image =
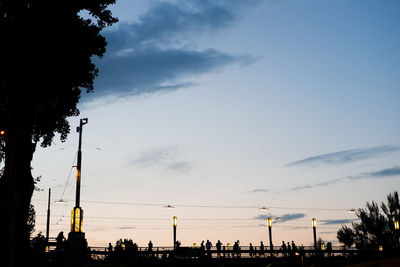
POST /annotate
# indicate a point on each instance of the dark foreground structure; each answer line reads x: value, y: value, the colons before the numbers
x: 190, y: 256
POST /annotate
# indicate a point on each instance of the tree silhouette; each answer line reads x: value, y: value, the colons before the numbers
x: 374, y: 229
x: 46, y: 54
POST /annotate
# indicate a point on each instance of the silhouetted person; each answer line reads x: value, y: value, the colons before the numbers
x: 178, y: 245
x: 235, y: 249
x: 150, y: 246
x: 294, y: 248
x: 60, y: 240
x: 251, y: 250
x: 218, y: 246
x: 283, y: 247
x: 208, y: 247
x: 261, y: 249
x: 329, y: 248
x: 202, y: 248
x: 289, y: 248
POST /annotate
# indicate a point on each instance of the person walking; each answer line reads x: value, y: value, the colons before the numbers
x: 283, y: 248
x: 261, y: 249
x: 218, y: 246
x: 251, y: 250
x: 208, y: 247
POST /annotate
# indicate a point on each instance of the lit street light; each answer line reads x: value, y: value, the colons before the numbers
x: 174, y: 224
x: 314, y: 226
x: 76, y: 236
x: 269, y: 223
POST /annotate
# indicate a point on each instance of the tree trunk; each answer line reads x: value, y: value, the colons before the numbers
x: 16, y: 188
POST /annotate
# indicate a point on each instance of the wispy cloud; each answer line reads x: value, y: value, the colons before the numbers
x: 388, y: 172
x: 381, y: 174
x: 339, y: 221
x: 126, y: 227
x: 165, y: 158
x: 346, y: 156
x: 282, y: 218
x: 258, y: 190
x: 153, y: 54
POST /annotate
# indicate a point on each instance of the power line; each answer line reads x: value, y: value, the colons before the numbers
x: 69, y: 176
x: 208, y: 206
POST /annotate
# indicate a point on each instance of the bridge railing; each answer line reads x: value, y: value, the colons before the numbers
x: 225, y: 252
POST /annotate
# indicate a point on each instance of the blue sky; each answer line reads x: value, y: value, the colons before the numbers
x: 234, y: 105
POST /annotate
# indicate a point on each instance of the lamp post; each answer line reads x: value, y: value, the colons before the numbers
x: 269, y: 223
x: 48, y: 219
x: 174, y: 224
x: 314, y: 226
x: 76, y: 238
x: 77, y: 212
x: 396, y: 228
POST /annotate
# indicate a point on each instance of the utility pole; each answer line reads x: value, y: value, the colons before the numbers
x: 314, y: 226
x: 77, y: 212
x: 48, y: 219
x: 76, y: 237
x: 269, y: 223
x: 174, y: 224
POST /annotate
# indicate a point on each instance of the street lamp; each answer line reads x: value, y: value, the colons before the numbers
x: 269, y: 223
x: 174, y: 224
x: 77, y: 212
x: 76, y: 237
x: 314, y: 226
x: 396, y: 228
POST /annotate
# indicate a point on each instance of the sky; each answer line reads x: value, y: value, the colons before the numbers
x: 232, y: 111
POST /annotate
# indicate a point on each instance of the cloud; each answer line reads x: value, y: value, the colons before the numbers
x: 346, y: 156
x: 290, y: 217
x: 152, y: 70
x: 258, y: 190
x: 388, y: 172
x: 126, y: 227
x: 282, y: 218
x: 165, y: 158
x: 384, y: 173
x: 342, y: 221
x: 152, y: 54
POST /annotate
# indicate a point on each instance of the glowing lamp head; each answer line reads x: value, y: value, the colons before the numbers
x: 174, y: 221
x: 314, y: 222
x: 269, y: 222
x: 396, y: 225
x: 380, y: 248
x: 2, y: 132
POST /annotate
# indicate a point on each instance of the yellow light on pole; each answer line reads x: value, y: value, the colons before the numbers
x: 76, y: 220
x: 269, y: 222
x: 380, y: 248
x: 314, y: 227
x: 314, y: 222
x: 2, y: 132
x: 396, y: 225
x: 174, y: 224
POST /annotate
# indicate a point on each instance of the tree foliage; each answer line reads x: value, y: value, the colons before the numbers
x: 375, y: 228
x: 46, y: 59
x: 46, y: 53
